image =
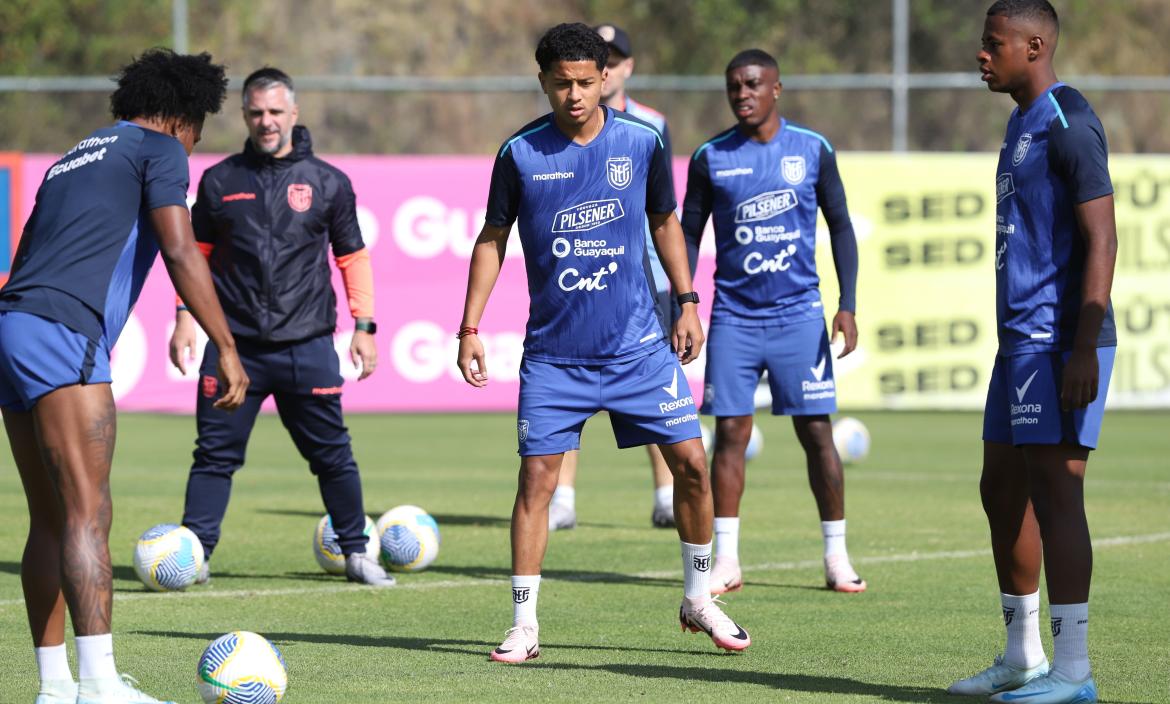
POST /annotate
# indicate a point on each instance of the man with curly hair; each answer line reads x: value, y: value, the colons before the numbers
x: 103, y: 211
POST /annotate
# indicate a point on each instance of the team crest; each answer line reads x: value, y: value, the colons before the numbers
x: 1056, y: 626
x: 792, y: 169
x: 522, y: 430
x: 520, y: 594
x: 702, y: 562
x: 208, y: 385
x: 1022, y: 148
x: 300, y: 196
x: 620, y: 171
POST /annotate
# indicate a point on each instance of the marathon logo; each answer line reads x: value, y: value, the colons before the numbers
x: 817, y: 390
x: 739, y: 171
x: 588, y: 216
x: 681, y: 419
x: 766, y: 206
x: 67, y: 166
x: 553, y: 176
x: 669, y: 406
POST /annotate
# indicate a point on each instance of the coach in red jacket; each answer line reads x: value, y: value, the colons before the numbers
x: 263, y: 219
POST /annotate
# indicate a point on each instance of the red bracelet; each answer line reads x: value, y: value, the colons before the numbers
x: 465, y: 331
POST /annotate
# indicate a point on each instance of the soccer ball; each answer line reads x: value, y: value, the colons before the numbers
x: 410, y: 539
x: 851, y: 439
x: 328, y: 552
x: 755, y: 443
x: 241, y: 668
x: 168, y: 557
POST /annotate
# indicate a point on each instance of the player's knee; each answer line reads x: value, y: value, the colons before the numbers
x: 732, y: 434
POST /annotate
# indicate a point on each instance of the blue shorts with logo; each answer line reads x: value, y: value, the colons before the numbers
x: 796, y: 357
x: 648, y: 400
x: 38, y: 355
x: 1023, y: 401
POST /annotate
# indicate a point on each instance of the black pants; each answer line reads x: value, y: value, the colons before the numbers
x: 305, y: 379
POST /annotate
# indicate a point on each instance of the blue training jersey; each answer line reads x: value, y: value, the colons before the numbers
x: 1054, y: 156
x: 764, y: 198
x: 581, y: 212
x: 88, y: 245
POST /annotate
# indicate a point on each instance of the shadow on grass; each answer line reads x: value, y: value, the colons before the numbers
x: 505, y: 573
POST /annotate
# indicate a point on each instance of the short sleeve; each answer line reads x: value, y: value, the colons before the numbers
x: 345, y: 236
x: 1078, y: 154
x: 503, y: 205
x: 697, y: 203
x: 659, y: 184
x: 201, y: 220
x: 165, y: 173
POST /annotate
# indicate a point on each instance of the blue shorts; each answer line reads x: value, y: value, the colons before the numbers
x: 648, y: 400
x: 796, y: 357
x: 1023, y: 402
x: 38, y: 355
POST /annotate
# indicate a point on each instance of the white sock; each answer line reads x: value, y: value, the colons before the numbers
x: 1070, y: 640
x: 53, y: 663
x: 565, y: 496
x: 727, y: 537
x: 524, y: 592
x: 834, y: 534
x: 696, y: 570
x: 1021, y: 618
x: 664, y: 496
x: 95, y: 657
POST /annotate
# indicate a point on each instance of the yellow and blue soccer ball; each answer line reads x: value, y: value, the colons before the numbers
x: 410, y: 539
x: 168, y: 557
x: 851, y: 438
x: 241, y: 667
x: 328, y: 551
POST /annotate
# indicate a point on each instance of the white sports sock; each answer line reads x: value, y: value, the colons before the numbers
x: 95, y: 657
x: 565, y: 496
x: 664, y: 496
x: 834, y: 534
x: 696, y: 570
x: 1070, y: 640
x: 525, y: 589
x: 53, y: 663
x: 727, y: 537
x: 1021, y: 618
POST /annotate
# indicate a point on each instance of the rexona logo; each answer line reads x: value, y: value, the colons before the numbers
x: 821, y: 388
x: 588, y: 216
x: 1027, y: 412
x: 766, y: 205
x: 675, y: 403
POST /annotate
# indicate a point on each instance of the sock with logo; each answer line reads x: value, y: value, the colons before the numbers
x: 1070, y: 641
x: 727, y: 537
x: 95, y: 657
x: 524, y: 591
x: 664, y: 496
x: 53, y: 663
x: 565, y: 496
x: 1021, y: 619
x: 696, y: 570
x: 834, y: 535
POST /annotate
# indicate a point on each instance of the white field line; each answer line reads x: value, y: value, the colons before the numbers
x: 1101, y: 543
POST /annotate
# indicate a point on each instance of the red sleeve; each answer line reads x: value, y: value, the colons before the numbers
x: 358, y: 276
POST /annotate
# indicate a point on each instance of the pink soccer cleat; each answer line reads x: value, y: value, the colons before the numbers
x: 726, y: 576
x: 840, y: 576
x: 520, y: 644
x: 704, y: 614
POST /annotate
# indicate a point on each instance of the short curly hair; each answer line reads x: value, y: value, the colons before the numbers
x: 571, y: 42
x: 163, y: 84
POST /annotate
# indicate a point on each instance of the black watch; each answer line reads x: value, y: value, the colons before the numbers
x: 370, y: 327
x: 691, y: 297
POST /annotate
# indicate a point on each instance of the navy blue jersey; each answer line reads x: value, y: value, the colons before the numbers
x: 581, y: 211
x: 1054, y: 156
x: 764, y: 198
x: 89, y: 244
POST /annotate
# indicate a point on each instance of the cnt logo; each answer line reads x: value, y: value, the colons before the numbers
x: 765, y: 206
x: 588, y: 216
x: 571, y: 279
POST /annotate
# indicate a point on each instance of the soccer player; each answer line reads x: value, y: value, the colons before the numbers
x: 264, y: 218
x: 562, y: 512
x: 103, y: 211
x: 763, y: 180
x: 580, y: 182
x: 1056, y: 245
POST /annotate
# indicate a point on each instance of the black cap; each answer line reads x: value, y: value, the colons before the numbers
x: 616, y: 38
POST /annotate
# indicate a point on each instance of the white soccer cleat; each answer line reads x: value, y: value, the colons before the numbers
x: 840, y: 575
x: 704, y: 614
x: 114, y: 690
x: 561, y: 517
x: 521, y: 643
x: 1000, y: 677
x: 57, y: 692
x: 1051, y: 689
x: 726, y: 576
x: 360, y: 567
x: 203, y: 576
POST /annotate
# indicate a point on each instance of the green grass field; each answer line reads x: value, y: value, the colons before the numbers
x: 610, y: 595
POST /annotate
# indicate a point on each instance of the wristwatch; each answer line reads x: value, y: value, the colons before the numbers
x: 366, y: 326
x: 691, y: 297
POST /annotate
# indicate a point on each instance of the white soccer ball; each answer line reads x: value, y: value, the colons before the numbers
x: 168, y: 557
x: 328, y: 551
x: 851, y: 438
x: 410, y: 539
x: 241, y: 668
x: 755, y: 443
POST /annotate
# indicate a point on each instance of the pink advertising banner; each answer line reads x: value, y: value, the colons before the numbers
x: 419, y: 217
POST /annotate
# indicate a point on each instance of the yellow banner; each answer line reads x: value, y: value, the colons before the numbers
x: 926, y: 287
